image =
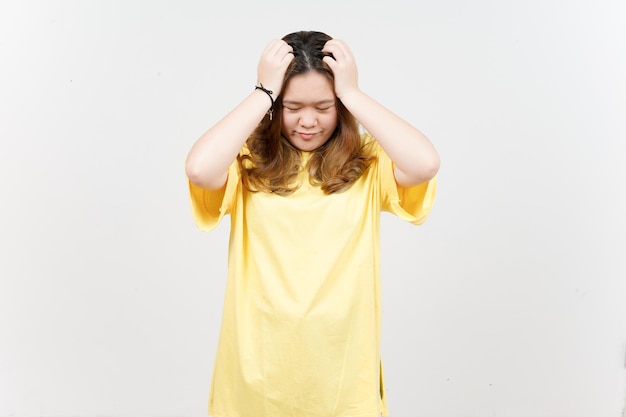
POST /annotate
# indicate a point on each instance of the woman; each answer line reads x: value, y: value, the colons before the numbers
x: 304, y: 190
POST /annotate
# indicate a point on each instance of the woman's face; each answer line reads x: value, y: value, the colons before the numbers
x: 309, y: 111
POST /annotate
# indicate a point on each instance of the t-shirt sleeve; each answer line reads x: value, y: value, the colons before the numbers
x: 208, y: 207
x: 412, y: 204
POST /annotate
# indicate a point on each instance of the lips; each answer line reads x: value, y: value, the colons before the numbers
x: 306, y: 135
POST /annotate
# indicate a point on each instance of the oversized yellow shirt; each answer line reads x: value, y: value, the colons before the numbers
x: 300, y: 332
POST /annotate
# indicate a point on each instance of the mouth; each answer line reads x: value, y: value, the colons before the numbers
x: 306, y: 135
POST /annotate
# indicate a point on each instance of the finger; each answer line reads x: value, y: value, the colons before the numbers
x: 272, y: 47
x: 330, y: 61
x: 288, y: 58
x: 328, y: 47
x: 284, y: 50
x: 339, y: 49
x: 333, y: 44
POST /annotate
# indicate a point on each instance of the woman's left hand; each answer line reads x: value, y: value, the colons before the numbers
x: 343, y: 65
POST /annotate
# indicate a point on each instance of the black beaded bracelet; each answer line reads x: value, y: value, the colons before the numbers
x: 269, y: 94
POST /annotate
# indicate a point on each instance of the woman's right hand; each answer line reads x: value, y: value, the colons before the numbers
x: 273, y: 64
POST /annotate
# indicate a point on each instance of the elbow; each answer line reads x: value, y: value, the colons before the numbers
x: 198, y: 175
x: 423, y: 171
x: 192, y: 171
x: 431, y: 168
x: 426, y: 174
x: 426, y: 170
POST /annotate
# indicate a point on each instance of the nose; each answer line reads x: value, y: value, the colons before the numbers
x: 308, y: 118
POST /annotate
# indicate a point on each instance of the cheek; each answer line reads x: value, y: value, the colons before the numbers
x: 284, y: 125
x: 288, y: 120
x: 330, y: 120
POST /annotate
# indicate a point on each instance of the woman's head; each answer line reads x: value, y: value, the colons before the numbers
x: 308, y: 116
x: 309, y: 110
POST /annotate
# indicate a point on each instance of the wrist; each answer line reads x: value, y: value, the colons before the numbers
x: 270, y: 94
x: 349, y: 94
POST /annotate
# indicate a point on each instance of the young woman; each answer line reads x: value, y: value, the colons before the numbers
x: 304, y: 184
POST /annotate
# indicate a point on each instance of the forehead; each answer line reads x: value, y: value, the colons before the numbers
x: 309, y: 87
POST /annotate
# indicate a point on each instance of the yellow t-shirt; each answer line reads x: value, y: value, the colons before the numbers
x: 300, y: 332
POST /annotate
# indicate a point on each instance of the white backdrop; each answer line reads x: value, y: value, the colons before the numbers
x: 510, y: 301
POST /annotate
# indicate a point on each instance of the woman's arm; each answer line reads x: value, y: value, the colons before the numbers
x: 209, y: 158
x: 415, y: 158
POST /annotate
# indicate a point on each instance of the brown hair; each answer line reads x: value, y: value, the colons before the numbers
x: 272, y: 163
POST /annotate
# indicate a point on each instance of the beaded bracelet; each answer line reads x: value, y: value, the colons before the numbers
x: 269, y: 94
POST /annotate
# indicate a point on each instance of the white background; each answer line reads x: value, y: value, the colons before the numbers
x: 509, y: 302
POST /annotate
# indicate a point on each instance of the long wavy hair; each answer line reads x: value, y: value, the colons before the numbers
x: 273, y: 163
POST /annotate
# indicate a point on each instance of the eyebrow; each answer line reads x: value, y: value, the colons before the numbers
x: 317, y: 103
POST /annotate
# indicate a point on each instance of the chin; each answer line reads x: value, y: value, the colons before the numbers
x: 304, y: 146
x: 307, y: 147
